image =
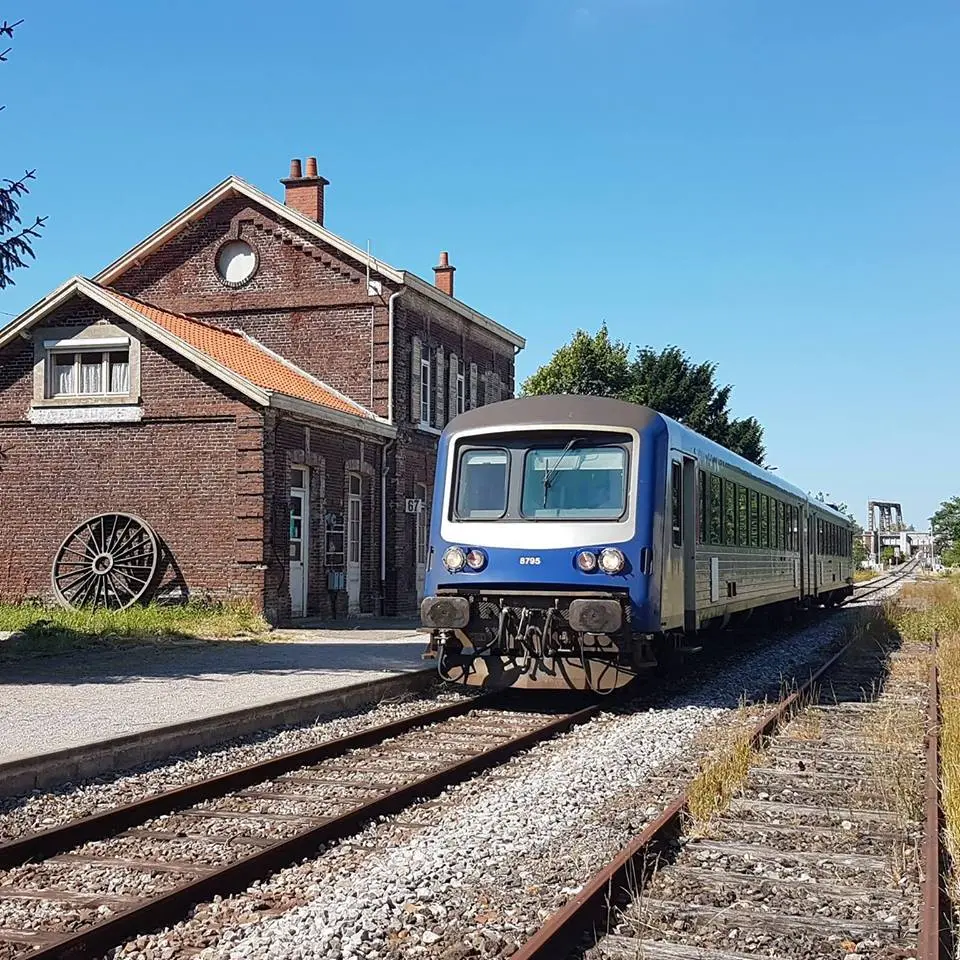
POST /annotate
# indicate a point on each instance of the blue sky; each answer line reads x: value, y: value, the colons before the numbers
x: 772, y: 186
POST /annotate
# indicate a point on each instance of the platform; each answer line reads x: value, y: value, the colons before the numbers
x: 68, y: 703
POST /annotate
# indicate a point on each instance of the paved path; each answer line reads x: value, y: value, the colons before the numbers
x: 53, y: 703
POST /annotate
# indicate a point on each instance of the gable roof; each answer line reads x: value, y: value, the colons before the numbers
x: 231, y: 355
x: 236, y: 187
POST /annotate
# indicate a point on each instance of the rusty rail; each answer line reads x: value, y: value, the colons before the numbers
x: 935, y: 942
x: 592, y: 906
x: 170, y: 907
x: 47, y: 843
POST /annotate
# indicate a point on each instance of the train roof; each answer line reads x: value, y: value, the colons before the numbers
x: 580, y: 409
x: 559, y: 408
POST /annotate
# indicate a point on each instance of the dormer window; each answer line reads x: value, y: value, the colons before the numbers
x: 85, y: 374
x: 89, y: 372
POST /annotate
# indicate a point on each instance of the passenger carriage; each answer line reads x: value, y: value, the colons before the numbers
x: 573, y: 538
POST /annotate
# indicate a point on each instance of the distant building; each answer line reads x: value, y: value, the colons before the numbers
x: 265, y: 395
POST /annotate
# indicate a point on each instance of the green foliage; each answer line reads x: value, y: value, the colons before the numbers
x: 592, y: 365
x: 887, y: 554
x: 951, y: 556
x: 946, y: 524
x: 668, y: 381
x: 859, y: 550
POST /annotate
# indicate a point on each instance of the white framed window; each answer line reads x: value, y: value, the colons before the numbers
x: 461, y: 391
x: 88, y: 372
x: 426, y: 393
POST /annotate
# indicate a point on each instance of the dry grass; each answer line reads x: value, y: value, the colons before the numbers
x: 720, y: 777
x: 927, y: 608
x: 862, y: 576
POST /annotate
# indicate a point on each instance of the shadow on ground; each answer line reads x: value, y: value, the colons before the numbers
x: 212, y: 661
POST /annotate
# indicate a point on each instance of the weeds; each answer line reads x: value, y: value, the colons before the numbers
x: 39, y: 630
x: 926, y: 609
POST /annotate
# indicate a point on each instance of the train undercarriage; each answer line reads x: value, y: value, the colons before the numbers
x: 551, y: 640
x: 541, y: 640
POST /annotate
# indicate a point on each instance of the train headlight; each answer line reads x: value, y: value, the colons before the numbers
x: 612, y: 560
x: 454, y: 559
x: 587, y: 561
x: 476, y: 559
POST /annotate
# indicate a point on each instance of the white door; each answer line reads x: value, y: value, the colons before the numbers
x: 354, y: 532
x: 423, y: 536
x: 299, y: 528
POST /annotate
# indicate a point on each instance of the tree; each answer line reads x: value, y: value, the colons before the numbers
x: 945, y: 524
x: 668, y: 381
x: 16, y: 240
x: 596, y: 366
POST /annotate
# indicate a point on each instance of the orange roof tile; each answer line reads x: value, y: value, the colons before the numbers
x: 243, y: 356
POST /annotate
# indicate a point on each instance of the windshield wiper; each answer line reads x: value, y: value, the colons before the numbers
x: 549, y: 475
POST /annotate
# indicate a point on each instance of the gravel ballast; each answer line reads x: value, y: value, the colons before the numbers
x: 476, y: 873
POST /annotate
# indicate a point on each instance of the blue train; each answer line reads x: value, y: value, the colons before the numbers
x: 575, y: 540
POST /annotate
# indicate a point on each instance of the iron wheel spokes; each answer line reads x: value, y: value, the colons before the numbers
x: 107, y: 561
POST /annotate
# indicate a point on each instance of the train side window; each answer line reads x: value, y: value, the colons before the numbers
x: 781, y: 529
x: 716, y: 497
x: 819, y: 536
x: 774, y: 524
x: 754, y: 519
x: 795, y: 528
x: 764, y: 520
x: 729, y: 513
x: 743, y: 538
x: 702, y: 507
x: 676, y: 501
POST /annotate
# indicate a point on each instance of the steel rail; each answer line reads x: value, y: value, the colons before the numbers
x: 872, y: 586
x: 592, y: 906
x: 48, y: 843
x: 935, y: 940
x: 170, y: 907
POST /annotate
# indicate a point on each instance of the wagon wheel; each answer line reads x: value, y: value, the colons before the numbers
x: 107, y: 561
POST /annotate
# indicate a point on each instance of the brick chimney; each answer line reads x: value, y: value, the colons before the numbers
x: 443, y: 274
x: 304, y: 192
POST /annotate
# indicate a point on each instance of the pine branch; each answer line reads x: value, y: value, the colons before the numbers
x: 16, y: 240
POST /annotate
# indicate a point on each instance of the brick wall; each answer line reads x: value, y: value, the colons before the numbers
x: 329, y: 456
x: 181, y: 469
x: 309, y: 303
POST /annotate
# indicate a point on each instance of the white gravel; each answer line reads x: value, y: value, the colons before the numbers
x: 498, y: 853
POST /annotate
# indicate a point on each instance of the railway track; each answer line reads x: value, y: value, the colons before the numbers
x: 217, y: 836
x: 870, y: 587
x: 80, y: 889
x: 818, y: 855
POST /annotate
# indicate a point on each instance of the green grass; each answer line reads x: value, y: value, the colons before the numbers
x: 43, y: 630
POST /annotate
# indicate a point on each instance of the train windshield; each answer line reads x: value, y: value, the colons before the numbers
x: 574, y: 482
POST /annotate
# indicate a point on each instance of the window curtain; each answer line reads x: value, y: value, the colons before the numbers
x: 63, y: 376
x: 91, y: 373
x: 119, y: 373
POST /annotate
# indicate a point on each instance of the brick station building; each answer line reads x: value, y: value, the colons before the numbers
x: 262, y: 393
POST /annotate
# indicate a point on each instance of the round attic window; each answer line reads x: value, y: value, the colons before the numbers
x: 236, y: 262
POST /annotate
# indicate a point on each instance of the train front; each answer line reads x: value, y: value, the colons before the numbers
x: 539, y: 547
